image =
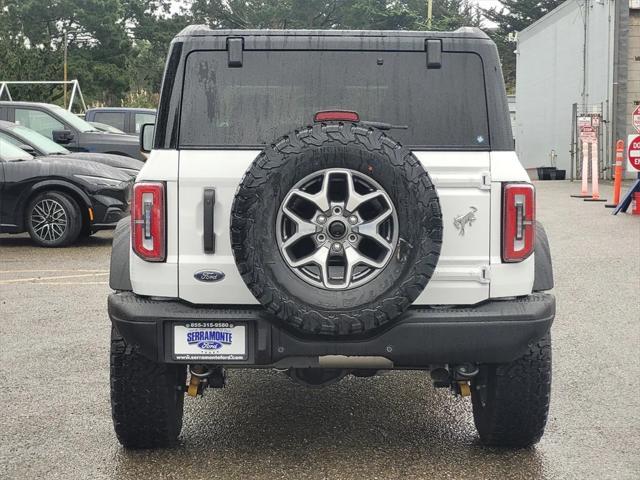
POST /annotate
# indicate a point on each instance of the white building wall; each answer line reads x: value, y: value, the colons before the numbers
x: 549, y: 78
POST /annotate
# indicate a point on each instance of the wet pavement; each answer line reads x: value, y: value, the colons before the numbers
x: 55, y: 414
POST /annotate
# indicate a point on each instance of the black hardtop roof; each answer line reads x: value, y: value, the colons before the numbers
x: 205, y: 31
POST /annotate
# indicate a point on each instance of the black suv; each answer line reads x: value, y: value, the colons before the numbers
x: 67, y: 129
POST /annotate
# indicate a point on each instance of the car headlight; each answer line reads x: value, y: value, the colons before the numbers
x: 100, y: 181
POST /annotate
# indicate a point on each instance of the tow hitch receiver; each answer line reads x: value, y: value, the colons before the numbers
x: 464, y: 389
x: 458, y: 377
x: 202, y: 377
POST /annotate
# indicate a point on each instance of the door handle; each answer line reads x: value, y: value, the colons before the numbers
x: 209, y: 202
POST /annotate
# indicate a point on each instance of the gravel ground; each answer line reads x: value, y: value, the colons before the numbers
x: 54, y: 337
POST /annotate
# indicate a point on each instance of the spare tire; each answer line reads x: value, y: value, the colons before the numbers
x: 336, y: 229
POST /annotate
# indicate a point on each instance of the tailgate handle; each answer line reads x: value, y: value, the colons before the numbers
x: 209, y: 235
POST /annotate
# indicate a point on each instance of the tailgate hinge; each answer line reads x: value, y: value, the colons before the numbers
x: 235, y: 46
x: 486, y: 181
x: 434, y: 53
x: 486, y: 274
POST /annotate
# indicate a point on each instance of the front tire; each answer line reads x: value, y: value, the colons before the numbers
x: 53, y: 219
x: 147, y: 398
x: 511, y: 400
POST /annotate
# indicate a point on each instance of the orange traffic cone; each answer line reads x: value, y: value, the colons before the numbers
x: 617, y: 183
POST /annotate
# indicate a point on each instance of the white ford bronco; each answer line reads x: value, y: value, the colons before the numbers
x: 331, y: 203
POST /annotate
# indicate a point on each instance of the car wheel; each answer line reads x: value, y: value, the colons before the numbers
x: 53, y: 219
x: 336, y: 229
x: 147, y: 398
x: 511, y: 400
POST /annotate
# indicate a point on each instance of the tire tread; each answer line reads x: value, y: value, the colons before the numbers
x: 518, y: 399
x: 303, y: 316
x: 147, y: 412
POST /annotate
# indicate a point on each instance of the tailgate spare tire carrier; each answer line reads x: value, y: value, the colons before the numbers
x: 394, y: 229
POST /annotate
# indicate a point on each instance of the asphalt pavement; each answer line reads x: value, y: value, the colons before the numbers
x: 55, y: 419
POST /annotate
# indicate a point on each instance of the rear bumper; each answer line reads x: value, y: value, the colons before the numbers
x: 493, y: 332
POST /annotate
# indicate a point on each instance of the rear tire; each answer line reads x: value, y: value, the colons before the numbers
x: 53, y: 219
x: 146, y: 397
x: 512, y: 411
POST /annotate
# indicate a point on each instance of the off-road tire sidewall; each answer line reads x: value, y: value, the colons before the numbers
x: 74, y: 220
x: 336, y: 312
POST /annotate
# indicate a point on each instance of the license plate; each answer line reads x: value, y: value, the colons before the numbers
x: 209, y: 341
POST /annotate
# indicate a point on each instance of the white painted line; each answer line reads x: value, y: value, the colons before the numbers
x: 41, y: 279
x: 59, y: 270
x: 70, y: 283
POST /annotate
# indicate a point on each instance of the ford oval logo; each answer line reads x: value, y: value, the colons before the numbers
x: 210, y: 345
x: 209, y: 275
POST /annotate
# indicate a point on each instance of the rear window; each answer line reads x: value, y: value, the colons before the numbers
x: 115, y: 119
x: 275, y: 92
x: 142, y: 118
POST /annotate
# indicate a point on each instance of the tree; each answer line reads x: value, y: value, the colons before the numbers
x: 114, y: 46
x: 32, y: 47
x: 323, y: 14
x: 117, y: 48
x: 515, y: 16
x: 152, y: 26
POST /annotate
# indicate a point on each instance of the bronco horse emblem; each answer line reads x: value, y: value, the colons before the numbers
x: 462, y: 220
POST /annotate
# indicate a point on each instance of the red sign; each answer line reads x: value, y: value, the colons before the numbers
x: 635, y: 116
x: 588, y: 135
x: 633, y: 153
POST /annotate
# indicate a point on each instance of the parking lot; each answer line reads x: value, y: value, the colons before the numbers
x: 56, y: 423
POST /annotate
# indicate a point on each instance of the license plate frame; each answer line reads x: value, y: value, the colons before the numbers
x: 232, y: 339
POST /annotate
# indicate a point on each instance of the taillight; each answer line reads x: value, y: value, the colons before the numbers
x: 336, y: 116
x: 148, y: 221
x: 518, y: 221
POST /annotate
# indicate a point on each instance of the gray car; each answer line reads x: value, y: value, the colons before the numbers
x: 65, y: 128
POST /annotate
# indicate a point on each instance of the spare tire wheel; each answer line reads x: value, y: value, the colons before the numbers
x: 336, y: 229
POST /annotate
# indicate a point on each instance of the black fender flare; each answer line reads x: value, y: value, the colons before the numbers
x: 119, y: 277
x: 543, y: 279
x: 48, y: 185
x: 57, y: 184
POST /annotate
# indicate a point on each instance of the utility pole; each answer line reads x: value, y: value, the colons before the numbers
x: 585, y: 49
x: 65, y: 69
x: 429, y: 12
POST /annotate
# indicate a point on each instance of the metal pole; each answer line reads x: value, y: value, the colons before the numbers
x: 585, y: 94
x: 572, y: 150
x: 65, y: 69
x: 73, y: 94
x: 429, y: 12
x: 620, y: 72
x: 84, y: 105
